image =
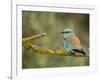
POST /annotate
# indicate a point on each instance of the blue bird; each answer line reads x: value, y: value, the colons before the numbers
x: 72, y: 43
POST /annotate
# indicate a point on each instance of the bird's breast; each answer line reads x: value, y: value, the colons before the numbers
x: 74, y: 41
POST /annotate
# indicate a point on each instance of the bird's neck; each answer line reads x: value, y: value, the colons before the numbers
x: 67, y: 35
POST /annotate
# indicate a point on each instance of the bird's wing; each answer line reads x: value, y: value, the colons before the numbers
x: 74, y: 41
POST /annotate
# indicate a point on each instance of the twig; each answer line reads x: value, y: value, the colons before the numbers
x: 33, y: 37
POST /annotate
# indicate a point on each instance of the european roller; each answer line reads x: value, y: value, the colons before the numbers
x: 72, y: 42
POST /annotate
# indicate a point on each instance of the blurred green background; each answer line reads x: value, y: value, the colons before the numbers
x: 53, y: 23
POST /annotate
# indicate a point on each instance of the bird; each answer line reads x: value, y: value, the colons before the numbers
x: 72, y: 42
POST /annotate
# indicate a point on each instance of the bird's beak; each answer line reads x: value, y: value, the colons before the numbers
x: 63, y: 32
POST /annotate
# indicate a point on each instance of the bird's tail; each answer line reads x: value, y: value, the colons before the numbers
x: 80, y: 51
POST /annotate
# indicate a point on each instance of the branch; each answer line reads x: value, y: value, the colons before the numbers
x: 41, y: 50
x: 28, y: 39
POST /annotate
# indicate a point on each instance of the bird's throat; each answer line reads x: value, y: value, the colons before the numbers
x: 67, y: 35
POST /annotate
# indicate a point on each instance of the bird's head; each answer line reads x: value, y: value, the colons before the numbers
x: 67, y: 32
